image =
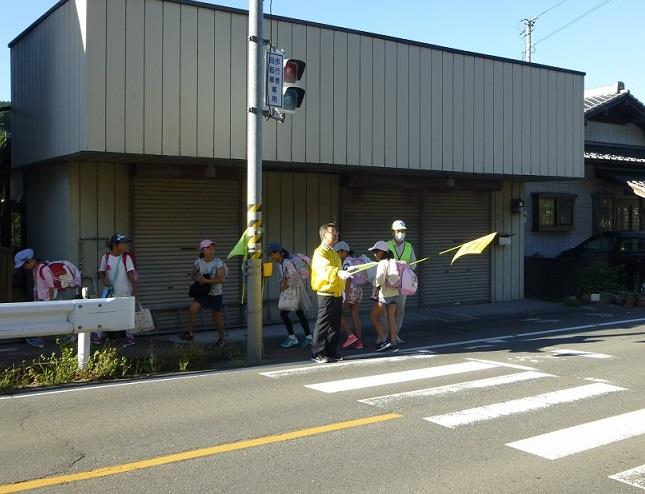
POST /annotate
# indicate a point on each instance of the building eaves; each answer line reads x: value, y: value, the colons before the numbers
x: 614, y: 158
x: 211, y: 6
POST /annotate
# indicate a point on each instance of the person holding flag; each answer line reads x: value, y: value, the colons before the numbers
x: 402, y: 251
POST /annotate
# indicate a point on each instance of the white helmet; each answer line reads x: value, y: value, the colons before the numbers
x: 398, y: 225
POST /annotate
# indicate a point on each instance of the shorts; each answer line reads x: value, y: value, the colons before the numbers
x: 354, y: 296
x: 388, y: 300
x: 212, y: 302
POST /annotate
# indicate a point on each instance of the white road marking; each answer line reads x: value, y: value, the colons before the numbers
x: 634, y: 477
x: 565, y: 442
x: 10, y: 349
x: 522, y: 405
x: 502, y: 364
x: 398, y: 377
x: 383, y: 401
x: 351, y: 363
x: 565, y: 352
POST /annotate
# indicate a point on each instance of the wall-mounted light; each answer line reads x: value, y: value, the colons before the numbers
x: 517, y: 206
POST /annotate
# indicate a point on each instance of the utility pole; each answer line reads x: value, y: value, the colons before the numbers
x: 528, y: 31
x: 254, y: 338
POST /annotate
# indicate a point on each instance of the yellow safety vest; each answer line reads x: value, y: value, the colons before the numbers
x: 407, y: 251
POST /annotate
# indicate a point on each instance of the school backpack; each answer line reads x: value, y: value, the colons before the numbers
x: 124, y: 258
x: 400, y: 275
x: 360, y: 278
x: 64, y: 273
x: 302, y: 263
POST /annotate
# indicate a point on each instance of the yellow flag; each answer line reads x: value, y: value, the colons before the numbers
x: 476, y: 246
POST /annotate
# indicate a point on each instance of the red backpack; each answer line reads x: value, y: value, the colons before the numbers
x: 64, y: 273
x: 124, y: 258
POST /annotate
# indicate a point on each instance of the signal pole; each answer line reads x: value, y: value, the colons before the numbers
x: 528, y: 31
x: 254, y: 336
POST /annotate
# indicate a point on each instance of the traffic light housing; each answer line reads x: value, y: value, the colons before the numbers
x: 292, y: 92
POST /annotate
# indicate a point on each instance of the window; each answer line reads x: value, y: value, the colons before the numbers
x: 599, y: 245
x: 553, y: 212
x: 632, y: 245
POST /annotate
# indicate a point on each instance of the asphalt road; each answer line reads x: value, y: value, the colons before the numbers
x: 527, y: 414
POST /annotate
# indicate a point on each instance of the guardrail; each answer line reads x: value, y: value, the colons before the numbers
x: 67, y: 317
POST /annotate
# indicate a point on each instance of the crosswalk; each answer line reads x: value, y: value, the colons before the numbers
x: 374, y: 374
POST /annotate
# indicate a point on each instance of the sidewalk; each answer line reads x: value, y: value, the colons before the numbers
x: 422, y: 327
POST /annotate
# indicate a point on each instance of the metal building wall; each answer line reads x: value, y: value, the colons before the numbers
x: 167, y: 77
x: 507, y: 261
x: 630, y: 134
x: 48, y: 87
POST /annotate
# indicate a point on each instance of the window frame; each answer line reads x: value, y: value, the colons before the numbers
x: 559, y: 199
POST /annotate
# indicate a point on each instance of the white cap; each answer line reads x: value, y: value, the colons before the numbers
x: 398, y: 225
x: 380, y: 245
x: 342, y: 245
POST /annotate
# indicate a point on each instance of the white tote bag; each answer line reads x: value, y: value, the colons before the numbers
x: 288, y: 300
x: 143, y: 321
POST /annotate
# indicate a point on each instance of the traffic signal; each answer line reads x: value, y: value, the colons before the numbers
x: 292, y: 92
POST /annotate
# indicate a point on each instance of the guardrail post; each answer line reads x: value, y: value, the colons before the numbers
x: 83, y: 350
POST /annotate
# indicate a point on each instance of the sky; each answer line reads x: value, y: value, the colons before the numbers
x: 607, y: 44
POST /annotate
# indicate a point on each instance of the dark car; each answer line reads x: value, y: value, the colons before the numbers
x: 619, y: 248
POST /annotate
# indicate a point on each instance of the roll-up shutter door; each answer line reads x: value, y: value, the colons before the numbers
x: 451, y: 218
x: 171, y: 217
x: 367, y: 215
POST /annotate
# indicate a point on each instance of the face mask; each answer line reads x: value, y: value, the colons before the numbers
x: 399, y: 236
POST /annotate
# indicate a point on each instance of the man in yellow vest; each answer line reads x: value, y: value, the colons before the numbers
x: 328, y: 281
x: 402, y: 251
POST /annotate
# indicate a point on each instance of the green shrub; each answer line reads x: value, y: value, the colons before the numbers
x: 600, y: 278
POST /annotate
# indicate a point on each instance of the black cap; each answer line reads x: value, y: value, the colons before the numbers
x: 119, y: 238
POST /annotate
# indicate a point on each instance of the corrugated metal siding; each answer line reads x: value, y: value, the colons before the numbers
x: 47, y: 195
x: 449, y: 219
x: 48, y: 87
x: 148, y: 92
x: 294, y: 207
x: 507, y: 262
x: 629, y: 134
x: 367, y: 215
x: 170, y: 218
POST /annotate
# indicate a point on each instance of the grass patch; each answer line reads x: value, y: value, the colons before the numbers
x: 106, y: 363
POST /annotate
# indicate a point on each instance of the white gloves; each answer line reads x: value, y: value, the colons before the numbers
x: 343, y: 275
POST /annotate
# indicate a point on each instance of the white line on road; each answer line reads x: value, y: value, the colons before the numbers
x: 10, y: 349
x: 565, y: 352
x: 634, y: 477
x: 522, y: 405
x: 398, y: 377
x: 357, y: 362
x: 565, y: 442
x: 383, y: 401
x: 501, y: 364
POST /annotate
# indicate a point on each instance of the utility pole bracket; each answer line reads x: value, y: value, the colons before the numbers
x: 255, y: 39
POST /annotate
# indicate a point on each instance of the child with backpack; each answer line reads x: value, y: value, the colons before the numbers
x: 352, y: 296
x: 51, y: 279
x: 293, y: 270
x: 118, y: 274
x: 387, y: 298
x: 209, y: 273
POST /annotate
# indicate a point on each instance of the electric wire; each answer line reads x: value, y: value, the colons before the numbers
x: 573, y: 21
x: 549, y: 9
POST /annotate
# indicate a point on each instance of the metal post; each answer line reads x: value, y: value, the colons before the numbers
x: 528, y: 44
x: 254, y: 338
x: 83, y: 350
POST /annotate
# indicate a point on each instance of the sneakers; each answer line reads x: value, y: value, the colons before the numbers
x: 320, y: 359
x: 358, y: 345
x: 336, y: 358
x: 129, y: 340
x: 306, y: 341
x: 384, y: 345
x: 351, y: 339
x: 399, y: 340
x: 35, y: 341
x: 96, y: 339
x: 221, y: 342
x: 290, y: 341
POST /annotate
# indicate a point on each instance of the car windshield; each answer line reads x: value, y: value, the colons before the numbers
x: 600, y: 245
x: 636, y: 245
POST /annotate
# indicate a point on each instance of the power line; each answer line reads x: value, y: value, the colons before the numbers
x: 585, y: 14
x: 549, y: 9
